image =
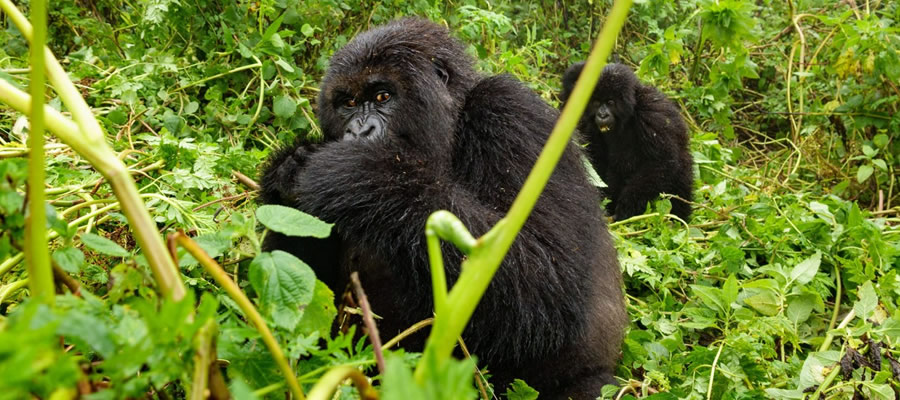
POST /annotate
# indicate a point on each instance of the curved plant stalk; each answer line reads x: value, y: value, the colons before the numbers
x: 207, y: 384
x: 89, y: 140
x: 453, y: 310
x: 325, y: 387
x: 37, y: 256
x: 219, y: 274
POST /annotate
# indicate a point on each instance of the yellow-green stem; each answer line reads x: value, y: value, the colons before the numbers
x: 89, y: 140
x: 236, y: 294
x: 37, y: 255
x: 204, y: 353
x: 104, y: 160
x: 325, y: 387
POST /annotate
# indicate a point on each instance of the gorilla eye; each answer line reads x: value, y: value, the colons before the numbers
x: 382, y: 97
x: 350, y: 103
x: 610, y: 102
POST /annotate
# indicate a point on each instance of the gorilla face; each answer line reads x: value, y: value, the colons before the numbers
x: 603, y: 116
x: 402, y: 84
x: 366, y: 114
x: 613, y: 99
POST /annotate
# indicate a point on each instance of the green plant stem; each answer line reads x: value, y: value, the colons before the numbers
x: 829, y: 337
x: 827, y: 382
x: 325, y: 387
x: 164, y: 271
x: 485, y: 258
x: 236, y: 294
x: 204, y: 356
x: 444, y: 225
x: 89, y: 140
x: 712, y: 371
x: 10, y: 288
x: 37, y: 256
x: 837, y: 306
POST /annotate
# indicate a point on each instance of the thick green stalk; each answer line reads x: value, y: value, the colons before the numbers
x: 37, y: 255
x: 87, y: 139
x: 490, y: 249
x: 326, y: 386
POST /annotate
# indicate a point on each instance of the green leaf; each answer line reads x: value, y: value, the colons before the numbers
x: 879, y: 391
x: 307, y: 30
x: 319, y: 314
x: 730, y: 290
x: 284, y: 107
x: 864, y: 172
x: 191, y: 107
x: 805, y: 271
x: 880, y: 164
x: 292, y: 222
x: 284, y: 65
x: 869, y: 151
x: 87, y: 331
x: 103, y: 245
x: 450, y: 381
x: 868, y: 300
x: 800, y: 307
x: 214, y: 244
x: 69, y: 259
x: 519, y: 390
x: 880, y: 140
x: 285, y: 286
x: 765, y: 303
x: 813, y: 371
x: 710, y: 296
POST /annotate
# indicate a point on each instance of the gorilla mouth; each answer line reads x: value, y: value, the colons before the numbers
x: 604, y: 123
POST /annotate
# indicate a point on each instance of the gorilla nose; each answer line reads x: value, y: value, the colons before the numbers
x: 370, y: 127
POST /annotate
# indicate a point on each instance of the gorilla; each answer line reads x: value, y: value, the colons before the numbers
x: 636, y: 141
x: 410, y: 128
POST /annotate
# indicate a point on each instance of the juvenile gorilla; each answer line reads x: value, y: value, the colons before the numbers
x: 636, y: 141
x: 411, y: 128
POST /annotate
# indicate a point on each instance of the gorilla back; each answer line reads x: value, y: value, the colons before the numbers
x: 411, y: 128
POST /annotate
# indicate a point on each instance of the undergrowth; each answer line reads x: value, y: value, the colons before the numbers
x: 782, y: 285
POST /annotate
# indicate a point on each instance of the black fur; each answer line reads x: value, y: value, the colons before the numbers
x: 645, y: 151
x: 451, y: 139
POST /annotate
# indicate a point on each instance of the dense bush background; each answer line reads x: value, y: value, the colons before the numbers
x: 793, y: 111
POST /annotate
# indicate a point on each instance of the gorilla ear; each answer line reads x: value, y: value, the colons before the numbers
x: 441, y: 71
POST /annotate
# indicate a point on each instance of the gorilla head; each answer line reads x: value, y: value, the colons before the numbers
x: 374, y: 86
x: 613, y: 100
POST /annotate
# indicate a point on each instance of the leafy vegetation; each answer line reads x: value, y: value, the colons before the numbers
x: 783, y: 285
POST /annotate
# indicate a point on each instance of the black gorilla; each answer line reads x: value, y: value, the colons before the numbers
x: 411, y: 128
x: 637, y: 142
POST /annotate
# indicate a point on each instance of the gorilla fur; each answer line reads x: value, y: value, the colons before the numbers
x: 636, y: 141
x: 410, y: 128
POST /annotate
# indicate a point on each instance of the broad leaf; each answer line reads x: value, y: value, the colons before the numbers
x: 292, y: 222
x: 806, y: 270
x: 285, y: 286
x: 103, y: 245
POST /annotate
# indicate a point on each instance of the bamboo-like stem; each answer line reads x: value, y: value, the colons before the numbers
x: 204, y: 356
x: 477, y: 272
x: 37, y: 255
x: 221, y: 277
x: 105, y: 161
x: 89, y: 140
x: 325, y: 387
